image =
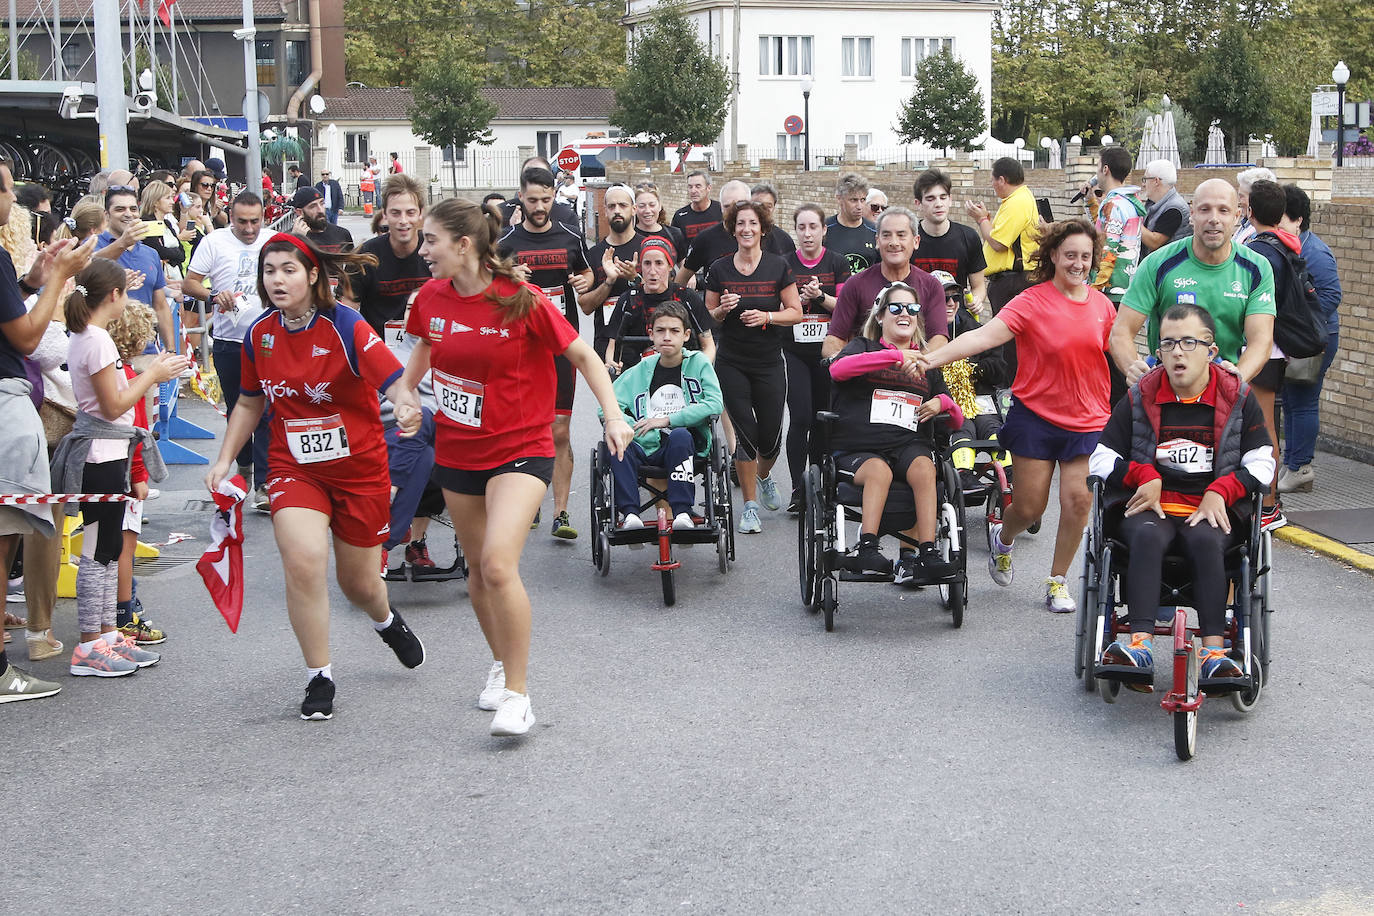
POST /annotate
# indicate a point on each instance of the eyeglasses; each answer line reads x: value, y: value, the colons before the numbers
x: 206, y: 185
x: 1186, y: 344
x: 877, y: 208
x: 911, y: 308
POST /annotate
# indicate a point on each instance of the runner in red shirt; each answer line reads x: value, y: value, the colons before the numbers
x: 320, y: 365
x: 488, y: 340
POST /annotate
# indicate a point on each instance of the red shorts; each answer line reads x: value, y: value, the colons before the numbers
x: 359, y: 517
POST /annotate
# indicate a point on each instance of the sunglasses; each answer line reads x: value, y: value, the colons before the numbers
x: 121, y: 187
x: 911, y: 308
x: 954, y: 297
x: 206, y: 185
x: 877, y: 208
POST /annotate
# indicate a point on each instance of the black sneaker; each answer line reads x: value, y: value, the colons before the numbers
x: 905, y: 570
x: 403, y: 642
x: 868, y: 560
x: 319, y: 699
x: 794, y: 506
x: 936, y: 566
x: 969, y: 482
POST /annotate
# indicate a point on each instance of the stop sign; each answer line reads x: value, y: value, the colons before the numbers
x: 569, y: 159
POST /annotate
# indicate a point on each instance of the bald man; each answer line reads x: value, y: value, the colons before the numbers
x: 613, y: 260
x: 1232, y: 282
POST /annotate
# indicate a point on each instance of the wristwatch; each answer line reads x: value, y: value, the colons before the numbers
x: 25, y: 288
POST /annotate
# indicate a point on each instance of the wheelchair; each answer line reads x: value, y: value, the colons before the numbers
x: 1102, y: 617
x: 716, y: 524
x: 831, y: 500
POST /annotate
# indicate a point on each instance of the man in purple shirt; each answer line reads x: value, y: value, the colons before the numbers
x: 897, y: 240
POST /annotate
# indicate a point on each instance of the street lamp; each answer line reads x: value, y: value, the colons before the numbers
x: 807, y: 85
x: 1340, y: 76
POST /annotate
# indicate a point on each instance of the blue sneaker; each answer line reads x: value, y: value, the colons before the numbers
x: 769, y: 495
x: 1138, y: 653
x: 1217, y: 664
x: 749, y: 519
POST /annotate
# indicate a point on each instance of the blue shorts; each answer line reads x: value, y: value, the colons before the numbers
x: 1029, y: 435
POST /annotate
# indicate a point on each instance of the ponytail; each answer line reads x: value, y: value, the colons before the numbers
x: 463, y: 218
x: 95, y: 282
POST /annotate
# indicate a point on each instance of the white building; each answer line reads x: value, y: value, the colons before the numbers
x: 859, y: 54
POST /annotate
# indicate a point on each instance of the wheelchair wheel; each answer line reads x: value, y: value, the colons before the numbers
x: 1087, y: 602
x: 669, y: 589
x: 828, y: 602
x: 1185, y: 723
x: 1261, y: 608
x: 953, y: 595
x: 723, y: 548
x: 1110, y: 689
x: 999, y: 497
x: 1245, y: 700
x: 602, y: 547
x: 806, y: 538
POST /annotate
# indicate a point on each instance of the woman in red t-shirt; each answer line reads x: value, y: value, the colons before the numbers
x: 320, y: 366
x: 1061, y: 396
x: 488, y: 341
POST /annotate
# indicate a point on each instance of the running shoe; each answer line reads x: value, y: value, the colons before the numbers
x: 969, y: 482
x: 490, y: 697
x: 905, y: 569
x: 794, y: 506
x: 562, y: 526
x: 1217, y: 664
x: 1272, y: 518
x: 403, y: 642
x: 999, y: 564
x: 99, y: 660
x: 141, y: 632
x: 935, y: 566
x: 867, y: 559
x: 1299, y: 481
x: 537, y: 514
x: 513, y: 717
x: 1057, y: 597
x: 769, y: 495
x: 417, y: 554
x: 1137, y: 654
x: 43, y: 645
x: 127, y: 648
x: 684, y: 522
x: 17, y: 684
x: 318, y: 704
x: 749, y: 519
x: 14, y: 591
x: 631, y: 522
x: 261, y: 502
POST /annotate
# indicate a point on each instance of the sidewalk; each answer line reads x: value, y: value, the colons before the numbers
x: 1337, y: 517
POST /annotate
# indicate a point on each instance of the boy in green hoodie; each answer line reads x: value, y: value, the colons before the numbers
x: 669, y: 398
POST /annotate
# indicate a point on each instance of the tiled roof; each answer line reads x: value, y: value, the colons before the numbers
x: 392, y: 103
x: 197, y: 10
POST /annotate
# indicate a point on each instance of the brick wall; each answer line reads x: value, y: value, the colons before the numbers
x: 1348, y: 227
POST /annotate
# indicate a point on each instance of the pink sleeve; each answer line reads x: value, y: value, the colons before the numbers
x: 954, y: 413
x: 848, y: 367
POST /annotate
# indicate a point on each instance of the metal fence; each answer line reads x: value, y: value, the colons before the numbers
x: 476, y: 168
x: 908, y: 157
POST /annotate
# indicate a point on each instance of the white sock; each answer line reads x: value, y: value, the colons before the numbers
x: 379, y: 627
x: 91, y: 644
x: 111, y: 637
x: 327, y: 671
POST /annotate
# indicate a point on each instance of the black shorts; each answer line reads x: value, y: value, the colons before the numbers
x: 899, y: 459
x: 1270, y: 378
x: 474, y: 483
x: 567, y: 386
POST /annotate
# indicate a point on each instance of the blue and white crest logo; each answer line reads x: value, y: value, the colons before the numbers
x: 1187, y: 299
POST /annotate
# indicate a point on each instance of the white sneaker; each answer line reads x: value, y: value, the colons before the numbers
x: 1057, y: 597
x: 631, y: 522
x: 684, y: 522
x: 153, y: 493
x: 1299, y: 481
x: 513, y: 717
x: 490, y: 697
x: 999, y: 564
x: 749, y: 519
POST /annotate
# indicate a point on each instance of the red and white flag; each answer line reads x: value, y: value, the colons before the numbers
x: 221, y: 566
x: 164, y: 11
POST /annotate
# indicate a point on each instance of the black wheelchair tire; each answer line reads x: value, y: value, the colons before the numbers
x: 669, y: 589
x: 828, y: 602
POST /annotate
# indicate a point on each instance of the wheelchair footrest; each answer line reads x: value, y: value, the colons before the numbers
x: 847, y: 576
x: 1220, y: 686
x: 437, y: 573
x: 1126, y: 674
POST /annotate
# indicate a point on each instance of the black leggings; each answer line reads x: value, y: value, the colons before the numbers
x: 107, y: 519
x: 1149, y: 538
x: 808, y: 390
x: 755, y: 396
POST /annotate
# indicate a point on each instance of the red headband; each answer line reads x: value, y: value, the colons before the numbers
x: 662, y: 244
x: 300, y: 243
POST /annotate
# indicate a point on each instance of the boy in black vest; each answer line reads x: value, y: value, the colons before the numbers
x: 1188, y: 444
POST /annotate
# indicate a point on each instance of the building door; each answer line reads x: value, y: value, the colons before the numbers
x: 548, y: 143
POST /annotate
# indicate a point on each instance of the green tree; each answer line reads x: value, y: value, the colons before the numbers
x: 946, y: 108
x: 449, y: 109
x: 1231, y: 85
x: 673, y: 90
x: 29, y: 68
x: 571, y: 43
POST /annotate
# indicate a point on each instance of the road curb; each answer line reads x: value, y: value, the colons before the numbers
x: 1301, y: 537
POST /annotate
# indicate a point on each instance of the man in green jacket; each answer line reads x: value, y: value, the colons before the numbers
x: 670, y: 398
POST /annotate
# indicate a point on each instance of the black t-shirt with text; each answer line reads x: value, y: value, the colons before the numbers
x: 858, y: 245
x: 383, y: 291
x: 630, y: 321
x: 761, y: 290
x: 831, y: 270
x: 625, y: 252
x: 715, y: 243
x: 551, y: 255
x: 692, y: 223
x: 860, y: 399
x: 958, y: 252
